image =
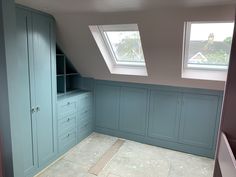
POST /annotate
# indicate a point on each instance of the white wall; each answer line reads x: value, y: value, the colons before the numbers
x: 162, y: 37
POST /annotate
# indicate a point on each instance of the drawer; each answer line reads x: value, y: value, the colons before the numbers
x: 85, y: 102
x: 67, y: 141
x: 67, y: 107
x: 82, y: 125
x: 226, y: 158
x: 85, y: 114
x: 85, y: 131
x: 67, y: 122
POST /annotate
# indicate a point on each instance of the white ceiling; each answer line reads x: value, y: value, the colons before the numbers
x: 115, y: 5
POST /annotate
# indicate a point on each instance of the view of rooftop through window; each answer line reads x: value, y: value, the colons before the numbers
x: 208, y: 45
x: 125, y: 45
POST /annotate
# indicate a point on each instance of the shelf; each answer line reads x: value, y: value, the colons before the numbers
x: 71, y: 91
x: 60, y: 94
x: 58, y: 54
x: 67, y: 76
x: 72, y: 74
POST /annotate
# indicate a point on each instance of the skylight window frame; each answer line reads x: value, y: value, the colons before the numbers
x: 124, y: 27
x: 186, y: 42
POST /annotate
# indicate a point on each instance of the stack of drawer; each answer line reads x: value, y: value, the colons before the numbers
x: 67, y: 118
x: 85, y: 115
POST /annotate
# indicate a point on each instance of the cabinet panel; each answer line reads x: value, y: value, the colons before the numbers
x: 198, y: 120
x: 133, y: 110
x: 43, y: 73
x: 24, y: 39
x: 164, y: 115
x: 107, y: 106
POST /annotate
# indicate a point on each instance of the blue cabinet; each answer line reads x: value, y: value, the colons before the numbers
x: 164, y: 115
x: 44, y: 82
x: 66, y: 123
x: 133, y: 110
x: 198, y: 123
x: 85, y: 121
x: 107, y: 106
x: 24, y: 44
x: 36, y: 46
x: 182, y: 119
x: 75, y: 120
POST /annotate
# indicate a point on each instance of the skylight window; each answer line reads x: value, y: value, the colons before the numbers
x: 125, y: 46
x: 121, y: 48
x: 208, y: 45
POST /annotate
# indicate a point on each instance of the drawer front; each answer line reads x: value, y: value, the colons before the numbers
x: 66, y: 123
x: 85, y: 114
x: 85, y: 102
x: 67, y: 107
x: 85, y: 130
x: 84, y: 118
x: 67, y: 141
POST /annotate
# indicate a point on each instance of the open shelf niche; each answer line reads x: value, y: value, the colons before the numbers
x: 67, y: 75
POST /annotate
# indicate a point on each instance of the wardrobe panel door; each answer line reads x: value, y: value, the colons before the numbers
x: 198, y: 120
x: 133, y: 110
x: 107, y: 106
x: 164, y: 115
x: 24, y: 40
x: 44, y: 74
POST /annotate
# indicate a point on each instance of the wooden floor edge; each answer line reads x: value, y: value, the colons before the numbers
x: 106, y: 157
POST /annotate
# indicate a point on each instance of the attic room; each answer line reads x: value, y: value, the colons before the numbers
x: 113, y: 88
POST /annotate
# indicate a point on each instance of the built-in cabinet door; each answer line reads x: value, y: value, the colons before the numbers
x: 133, y: 110
x: 164, y: 115
x: 198, y: 120
x: 107, y: 106
x: 24, y: 40
x: 43, y: 75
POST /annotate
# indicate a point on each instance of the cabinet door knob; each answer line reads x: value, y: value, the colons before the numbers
x: 37, y: 109
x: 68, y: 103
x: 33, y: 110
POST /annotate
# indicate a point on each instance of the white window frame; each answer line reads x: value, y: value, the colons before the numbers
x: 125, y: 27
x: 117, y: 67
x: 187, y: 33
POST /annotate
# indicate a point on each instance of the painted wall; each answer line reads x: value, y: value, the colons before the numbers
x: 162, y: 37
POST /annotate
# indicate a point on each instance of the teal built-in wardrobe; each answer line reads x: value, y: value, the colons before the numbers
x: 52, y: 122
x: 36, y: 49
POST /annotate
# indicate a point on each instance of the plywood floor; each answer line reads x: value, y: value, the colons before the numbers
x: 132, y: 159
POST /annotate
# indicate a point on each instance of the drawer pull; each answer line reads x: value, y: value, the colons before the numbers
x: 68, y: 135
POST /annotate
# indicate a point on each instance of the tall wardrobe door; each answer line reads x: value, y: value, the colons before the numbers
x: 44, y: 73
x: 25, y: 87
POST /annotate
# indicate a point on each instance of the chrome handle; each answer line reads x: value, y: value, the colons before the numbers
x: 37, y: 109
x: 33, y: 110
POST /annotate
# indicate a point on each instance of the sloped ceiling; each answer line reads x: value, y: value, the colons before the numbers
x: 161, y: 25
